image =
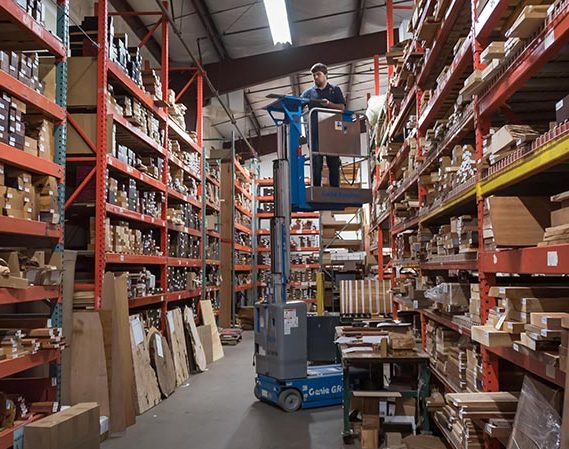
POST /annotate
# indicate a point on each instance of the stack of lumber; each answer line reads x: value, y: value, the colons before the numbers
x: 558, y: 232
x: 463, y: 410
x: 450, y: 297
x: 231, y: 336
x: 474, y: 304
x: 501, y: 142
x: 528, y: 22
x: 27, y: 334
x: 245, y: 315
x: 531, y: 319
x: 515, y: 221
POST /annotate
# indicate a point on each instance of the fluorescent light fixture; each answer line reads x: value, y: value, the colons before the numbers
x: 278, y: 21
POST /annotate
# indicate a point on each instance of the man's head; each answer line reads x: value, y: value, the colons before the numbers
x: 319, y: 74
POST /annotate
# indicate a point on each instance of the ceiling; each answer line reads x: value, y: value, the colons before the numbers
x: 227, y: 30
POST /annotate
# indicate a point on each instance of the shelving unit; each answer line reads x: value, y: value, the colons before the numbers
x: 237, y: 237
x: 34, y: 232
x: 211, y: 257
x: 304, y: 249
x: 167, y: 180
x: 445, y: 91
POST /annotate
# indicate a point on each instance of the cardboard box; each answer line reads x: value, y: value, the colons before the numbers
x: 75, y: 428
x: 82, y: 81
x: 31, y: 146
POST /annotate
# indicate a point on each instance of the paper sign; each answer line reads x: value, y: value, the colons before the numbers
x: 170, y: 316
x: 552, y: 259
x: 137, y: 331
x: 159, y: 348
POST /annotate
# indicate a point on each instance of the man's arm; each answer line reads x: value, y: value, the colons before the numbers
x: 338, y: 102
x: 338, y: 106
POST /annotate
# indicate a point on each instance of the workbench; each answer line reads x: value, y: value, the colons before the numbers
x: 370, y: 359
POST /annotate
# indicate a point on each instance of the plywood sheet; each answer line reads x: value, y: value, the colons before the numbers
x: 88, y: 363
x: 194, y: 337
x: 209, y: 319
x: 69, y: 259
x: 204, y: 333
x: 177, y: 340
x: 161, y: 359
x: 118, y: 353
x: 146, y: 383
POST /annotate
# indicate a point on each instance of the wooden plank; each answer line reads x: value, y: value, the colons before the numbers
x: 196, y: 344
x: 565, y: 416
x: 146, y: 383
x: 118, y: 353
x: 549, y: 320
x: 489, y: 336
x: 209, y: 319
x: 89, y: 381
x: 162, y: 362
x: 69, y: 259
x: 177, y: 340
x: 528, y: 292
x: 204, y: 333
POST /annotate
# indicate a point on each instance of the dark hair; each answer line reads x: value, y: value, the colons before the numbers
x: 319, y: 67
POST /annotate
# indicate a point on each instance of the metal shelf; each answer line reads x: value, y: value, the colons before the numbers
x: 135, y: 259
x: 33, y: 293
x: 34, y: 99
x: 441, y: 39
x: 212, y: 180
x: 34, y: 228
x: 134, y: 173
x: 209, y: 205
x: 31, y: 35
x: 177, y: 133
x: 449, y: 264
x: 136, y: 135
x: 183, y: 166
x: 184, y: 262
x: 241, y: 288
x: 548, y: 43
x: 244, y: 229
x: 184, y: 229
x: 543, y: 260
x: 184, y: 198
x: 122, y: 78
x: 404, y: 112
x: 531, y: 364
x: 546, y: 151
x: 243, y: 248
x: 245, y: 192
x: 243, y: 210
x: 445, y: 321
x: 131, y: 215
x: 9, y: 367
x: 443, y: 94
x: 213, y: 234
x: 19, y: 158
x: 239, y: 267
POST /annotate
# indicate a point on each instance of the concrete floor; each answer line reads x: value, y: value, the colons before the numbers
x: 218, y: 411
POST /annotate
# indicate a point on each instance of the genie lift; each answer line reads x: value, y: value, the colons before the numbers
x: 283, y: 375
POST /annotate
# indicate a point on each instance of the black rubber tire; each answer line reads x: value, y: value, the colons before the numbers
x: 290, y: 400
x: 257, y: 392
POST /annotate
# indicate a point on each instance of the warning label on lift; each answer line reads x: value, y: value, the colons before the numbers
x: 290, y: 320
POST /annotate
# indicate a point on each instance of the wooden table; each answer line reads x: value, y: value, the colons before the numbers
x: 369, y: 359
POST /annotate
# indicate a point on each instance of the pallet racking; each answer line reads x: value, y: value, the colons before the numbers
x: 31, y: 233
x: 446, y: 50
x: 237, y: 231
x: 98, y: 165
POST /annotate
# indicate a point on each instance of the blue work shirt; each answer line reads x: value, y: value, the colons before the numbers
x: 329, y: 92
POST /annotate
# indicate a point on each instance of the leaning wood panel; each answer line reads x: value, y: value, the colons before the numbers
x: 88, y: 364
x: 209, y: 319
x: 146, y: 383
x: 177, y: 341
x: 196, y: 344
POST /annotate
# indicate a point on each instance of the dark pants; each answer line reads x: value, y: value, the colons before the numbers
x: 333, y: 163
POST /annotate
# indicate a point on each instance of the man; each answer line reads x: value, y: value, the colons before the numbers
x: 331, y: 97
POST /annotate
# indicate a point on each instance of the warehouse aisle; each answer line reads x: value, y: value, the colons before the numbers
x: 218, y: 411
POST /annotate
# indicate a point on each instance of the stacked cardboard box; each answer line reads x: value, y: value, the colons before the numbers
x: 152, y: 83
x: 121, y: 239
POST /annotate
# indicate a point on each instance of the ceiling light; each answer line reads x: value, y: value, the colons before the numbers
x: 278, y: 21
